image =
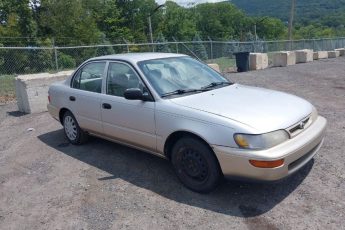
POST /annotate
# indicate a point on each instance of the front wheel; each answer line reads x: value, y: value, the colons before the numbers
x: 73, y: 132
x: 195, y: 165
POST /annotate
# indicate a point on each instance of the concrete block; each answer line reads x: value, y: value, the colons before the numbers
x: 303, y: 56
x: 341, y: 51
x: 214, y: 66
x: 32, y: 90
x: 284, y: 58
x: 258, y: 61
x: 316, y: 55
x: 333, y: 54
x: 321, y: 54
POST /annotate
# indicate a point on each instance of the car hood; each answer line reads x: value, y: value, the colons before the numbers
x: 262, y: 109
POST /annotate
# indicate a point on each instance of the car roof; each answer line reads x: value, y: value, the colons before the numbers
x: 137, y: 57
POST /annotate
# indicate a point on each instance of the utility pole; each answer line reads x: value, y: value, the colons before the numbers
x: 292, y: 14
x: 150, y: 29
x: 149, y: 20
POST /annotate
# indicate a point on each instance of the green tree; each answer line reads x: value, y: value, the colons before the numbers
x: 178, y: 22
x: 164, y: 48
x: 135, y: 14
x: 63, y: 19
x: 221, y: 21
x: 104, y: 50
x: 270, y: 28
x: 110, y: 21
x: 198, y: 48
x: 40, y: 60
x: 17, y: 19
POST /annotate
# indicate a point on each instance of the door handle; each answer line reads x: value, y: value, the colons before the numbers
x: 71, y: 98
x: 106, y: 106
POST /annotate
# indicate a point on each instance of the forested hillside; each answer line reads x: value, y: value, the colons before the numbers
x: 306, y: 10
x: 313, y: 18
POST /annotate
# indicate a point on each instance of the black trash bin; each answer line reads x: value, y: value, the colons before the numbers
x: 242, y: 61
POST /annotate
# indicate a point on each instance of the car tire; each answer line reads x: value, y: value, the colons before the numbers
x: 196, y: 165
x: 73, y: 132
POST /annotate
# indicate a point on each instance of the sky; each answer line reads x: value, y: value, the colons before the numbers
x: 188, y: 2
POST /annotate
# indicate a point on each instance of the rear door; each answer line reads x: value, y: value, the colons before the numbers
x: 130, y: 121
x: 84, y: 95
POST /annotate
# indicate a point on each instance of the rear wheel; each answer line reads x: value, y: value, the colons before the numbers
x: 195, y: 165
x: 73, y: 132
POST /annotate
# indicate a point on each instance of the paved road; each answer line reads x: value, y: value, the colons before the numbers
x: 45, y: 183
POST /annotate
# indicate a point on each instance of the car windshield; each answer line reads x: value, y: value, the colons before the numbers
x: 180, y: 75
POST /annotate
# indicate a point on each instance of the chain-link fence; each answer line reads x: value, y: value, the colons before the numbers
x: 25, y: 60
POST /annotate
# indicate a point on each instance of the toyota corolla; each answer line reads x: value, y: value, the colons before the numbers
x: 178, y: 108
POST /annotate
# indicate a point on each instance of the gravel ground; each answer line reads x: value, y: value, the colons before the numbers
x: 46, y: 183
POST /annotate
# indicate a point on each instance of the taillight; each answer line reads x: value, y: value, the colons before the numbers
x: 49, y: 98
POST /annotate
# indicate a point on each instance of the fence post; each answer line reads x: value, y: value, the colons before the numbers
x: 55, y: 55
x: 211, y: 46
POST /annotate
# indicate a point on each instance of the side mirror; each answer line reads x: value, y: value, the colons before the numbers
x: 133, y: 94
x: 137, y: 94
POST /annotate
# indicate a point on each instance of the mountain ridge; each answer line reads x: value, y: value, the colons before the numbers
x: 306, y: 10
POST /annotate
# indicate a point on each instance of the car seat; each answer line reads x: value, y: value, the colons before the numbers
x: 133, y: 81
x: 118, y: 84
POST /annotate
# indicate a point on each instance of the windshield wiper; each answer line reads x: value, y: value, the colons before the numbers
x: 182, y: 91
x: 215, y: 84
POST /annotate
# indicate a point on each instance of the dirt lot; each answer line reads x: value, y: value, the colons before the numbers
x: 45, y: 183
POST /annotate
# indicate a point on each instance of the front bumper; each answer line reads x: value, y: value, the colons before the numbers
x: 296, y: 152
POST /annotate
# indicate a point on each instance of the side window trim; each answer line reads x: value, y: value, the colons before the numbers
x: 76, y: 74
x: 105, y: 77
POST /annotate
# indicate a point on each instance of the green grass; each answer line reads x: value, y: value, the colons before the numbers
x: 7, y: 88
x: 224, y: 63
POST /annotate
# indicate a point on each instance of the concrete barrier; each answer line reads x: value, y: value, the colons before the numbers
x: 32, y: 90
x: 284, y: 58
x: 333, y: 54
x: 303, y: 56
x: 341, y: 51
x: 214, y: 66
x: 320, y: 55
x: 258, y: 61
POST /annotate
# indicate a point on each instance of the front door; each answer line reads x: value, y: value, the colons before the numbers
x: 130, y: 121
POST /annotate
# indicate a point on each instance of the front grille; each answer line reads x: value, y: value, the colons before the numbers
x: 299, y: 127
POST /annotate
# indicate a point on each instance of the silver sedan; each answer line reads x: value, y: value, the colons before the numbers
x: 178, y: 108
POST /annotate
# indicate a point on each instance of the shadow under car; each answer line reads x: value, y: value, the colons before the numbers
x: 235, y: 198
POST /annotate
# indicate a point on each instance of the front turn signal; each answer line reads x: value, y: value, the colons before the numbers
x: 267, y: 164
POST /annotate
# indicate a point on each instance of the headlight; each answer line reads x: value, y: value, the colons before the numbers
x: 261, y: 141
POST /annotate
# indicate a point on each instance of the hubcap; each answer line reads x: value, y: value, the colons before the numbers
x: 70, y: 128
x: 194, y: 165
